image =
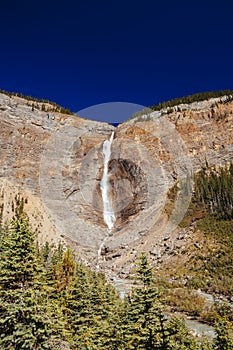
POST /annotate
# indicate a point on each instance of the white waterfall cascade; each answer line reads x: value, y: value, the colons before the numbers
x: 108, y: 212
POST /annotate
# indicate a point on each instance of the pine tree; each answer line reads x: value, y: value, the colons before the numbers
x: 144, y: 319
x: 25, y: 318
x: 179, y: 337
x: 92, y: 311
x: 214, y: 190
x: 144, y: 324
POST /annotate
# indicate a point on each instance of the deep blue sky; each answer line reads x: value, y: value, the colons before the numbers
x: 85, y: 52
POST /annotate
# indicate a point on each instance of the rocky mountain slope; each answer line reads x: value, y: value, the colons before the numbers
x: 54, y: 163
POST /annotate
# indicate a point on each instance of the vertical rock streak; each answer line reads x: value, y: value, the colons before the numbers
x: 108, y: 212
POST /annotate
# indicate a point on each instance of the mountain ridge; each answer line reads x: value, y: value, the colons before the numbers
x: 34, y: 139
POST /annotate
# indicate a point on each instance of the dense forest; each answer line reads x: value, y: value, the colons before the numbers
x: 214, y: 189
x: 205, y: 261
x: 213, y: 202
x: 50, y: 300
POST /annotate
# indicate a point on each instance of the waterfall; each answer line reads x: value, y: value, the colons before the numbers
x: 108, y: 212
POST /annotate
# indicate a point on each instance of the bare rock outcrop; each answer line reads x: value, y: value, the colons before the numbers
x: 54, y: 162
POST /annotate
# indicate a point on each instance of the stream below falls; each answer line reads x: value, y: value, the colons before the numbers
x: 197, y: 328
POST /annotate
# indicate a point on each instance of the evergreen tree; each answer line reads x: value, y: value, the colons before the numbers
x: 47, y: 298
x: 214, y: 190
x: 145, y: 325
x: 92, y: 311
x: 25, y: 318
x: 224, y: 338
x: 179, y: 337
x: 144, y: 319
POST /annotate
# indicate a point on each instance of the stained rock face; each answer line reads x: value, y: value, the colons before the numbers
x: 129, y: 188
x: 55, y: 162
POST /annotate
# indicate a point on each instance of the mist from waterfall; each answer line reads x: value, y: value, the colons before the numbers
x: 108, y: 212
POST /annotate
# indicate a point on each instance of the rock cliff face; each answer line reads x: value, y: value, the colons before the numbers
x: 55, y: 163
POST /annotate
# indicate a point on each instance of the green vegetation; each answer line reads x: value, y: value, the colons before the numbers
x: 214, y: 190
x: 144, y: 114
x: 39, y: 103
x: 224, y: 340
x: 138, y: 116
x: 216, y: 264
x: 193, y: 98
x: 206, y: 259
x: 48, y: 300
x: 25, y: 313
x: 214, y: 198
